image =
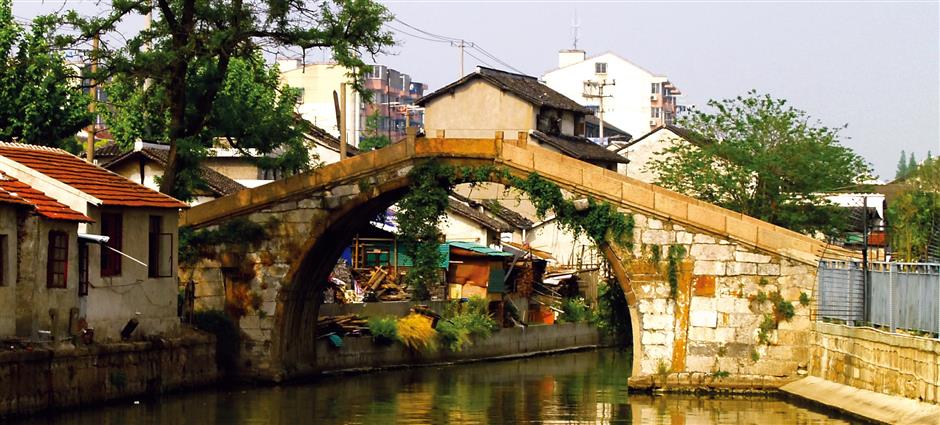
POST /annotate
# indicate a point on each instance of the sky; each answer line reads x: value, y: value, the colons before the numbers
x: 873, y: 66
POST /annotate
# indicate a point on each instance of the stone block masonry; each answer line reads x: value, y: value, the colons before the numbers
x: 877, y: 361
x: 704, y: 329
x: 46, y: 379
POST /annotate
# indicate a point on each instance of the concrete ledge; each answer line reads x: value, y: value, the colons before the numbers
x: 878, y: 336
x: 864, y: 404
x: 697, y: 382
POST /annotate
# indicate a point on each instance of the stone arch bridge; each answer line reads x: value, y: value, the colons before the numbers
x: 710, y: 325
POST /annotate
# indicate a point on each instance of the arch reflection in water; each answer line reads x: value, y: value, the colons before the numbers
x: 582, y: 387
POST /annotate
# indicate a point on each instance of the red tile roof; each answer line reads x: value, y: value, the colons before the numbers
x: 13, y: 191
x: 112, y: 189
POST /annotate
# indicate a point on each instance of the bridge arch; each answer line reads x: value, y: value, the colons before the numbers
x: 726, y: 250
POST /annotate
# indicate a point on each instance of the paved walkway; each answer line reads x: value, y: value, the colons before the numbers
x: 874, y: 406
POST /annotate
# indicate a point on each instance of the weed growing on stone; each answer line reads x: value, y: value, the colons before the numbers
x: 676, y: 252
x: 719, y: 374
x: 384, y: 329
x: 755, y: 356
x: 804, y: 299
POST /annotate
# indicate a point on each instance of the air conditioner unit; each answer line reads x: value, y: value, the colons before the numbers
x: 654, y: 122
x: 654, y: 96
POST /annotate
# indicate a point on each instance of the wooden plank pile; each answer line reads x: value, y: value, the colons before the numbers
x: 381, y: 286
x: 347, y: 324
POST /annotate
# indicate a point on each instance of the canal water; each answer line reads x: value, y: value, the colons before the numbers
x: 581, y: 387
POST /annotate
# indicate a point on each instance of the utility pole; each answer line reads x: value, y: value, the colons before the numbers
x: 460, y: 45
x: 589, y: 87
x: 342, y: 121
x: 93, y: 90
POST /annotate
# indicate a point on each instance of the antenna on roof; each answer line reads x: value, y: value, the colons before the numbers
x: 575, y: 25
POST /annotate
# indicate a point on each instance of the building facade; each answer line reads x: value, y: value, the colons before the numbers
x: 634, y: 99
x: 393, y: 97
x: 93, y: 250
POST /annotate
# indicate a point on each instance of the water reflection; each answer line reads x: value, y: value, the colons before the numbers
x: 584, y: 387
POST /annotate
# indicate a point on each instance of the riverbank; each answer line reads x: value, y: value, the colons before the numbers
x: 42, y: 379
x: 361, y: 354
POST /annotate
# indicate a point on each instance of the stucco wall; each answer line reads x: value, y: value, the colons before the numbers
x: 873, y: 360
x: 318, y: 82
x: 642, y: 153
x: 628, y: 106
x: 38, y: 307
x: 480, y: 111
x: 8, y: 284
x: 459, y: 228
x: 114, y: 300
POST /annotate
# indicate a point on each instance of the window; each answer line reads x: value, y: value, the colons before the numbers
x: 3, y: 260
x: 160, y: 256
x: 655, y: 88
x: 112, y: 226
x: 656, y: 112
x: 600, y: 67
x: 57, y: 260
x: 82, y: 269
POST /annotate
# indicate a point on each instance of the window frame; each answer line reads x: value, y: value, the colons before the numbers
x: 155, y: 236
x: 3, y: 259
x: 110, y: 261
x: 53, y: 248
x: 83, y: 271
x: 600, y: 67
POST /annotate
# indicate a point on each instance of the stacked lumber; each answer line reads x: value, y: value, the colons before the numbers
x: 347, y: 324
x: 382, y: 286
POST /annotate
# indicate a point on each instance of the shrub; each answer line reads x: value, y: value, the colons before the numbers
x: 384, y: 330
x: 415, y: 332
x: 227, y: 336
x: 452, y: 334
x: 804, y: 299
x: 574, y: 310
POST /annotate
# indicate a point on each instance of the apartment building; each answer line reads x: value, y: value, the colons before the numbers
x: 633, y: 98
x: 393, y: 96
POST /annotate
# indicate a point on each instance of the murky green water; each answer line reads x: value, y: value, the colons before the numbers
x: 583, y: 387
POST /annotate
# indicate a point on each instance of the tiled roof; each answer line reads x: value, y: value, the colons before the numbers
x: 477, y: 216
x: 524, y: 86
x: 684, y: 133
x: 13, y: 191
x: 217, y: 182
x: 312, y: 131
x: 507, y: 214
x: 579, y: 148
x: 110, y: 188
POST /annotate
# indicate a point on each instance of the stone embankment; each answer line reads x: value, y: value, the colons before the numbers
x: 361, y: 353
x: 47, y: 379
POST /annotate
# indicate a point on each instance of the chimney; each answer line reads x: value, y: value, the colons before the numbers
x: 569, y: 56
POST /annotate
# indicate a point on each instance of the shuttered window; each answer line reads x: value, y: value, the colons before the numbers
x: 57, y: 260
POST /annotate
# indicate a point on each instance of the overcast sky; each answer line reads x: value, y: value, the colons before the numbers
x: 873, y: 66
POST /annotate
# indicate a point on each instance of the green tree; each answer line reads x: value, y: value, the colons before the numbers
x: 40, y: 102
x: 374, y: 139
x: 759, y: 156
x: 914, y: 215
x: 902, y: 166
x: 186, y: 56
x: 911, y: 165
x: 252, y: 114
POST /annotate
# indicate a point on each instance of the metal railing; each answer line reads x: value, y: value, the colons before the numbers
x: 887, y: 294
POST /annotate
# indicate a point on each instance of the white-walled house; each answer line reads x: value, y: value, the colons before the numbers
x: 66, y: 280
x: 648, y: 147
x: 635, y: 99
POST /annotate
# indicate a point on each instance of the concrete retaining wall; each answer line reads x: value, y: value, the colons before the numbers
x: 31, y: 381
x: 882, y: 362
x: 362, y: 353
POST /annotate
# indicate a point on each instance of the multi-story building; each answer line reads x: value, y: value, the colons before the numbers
x: 393, y: 96
x: 621, y: 92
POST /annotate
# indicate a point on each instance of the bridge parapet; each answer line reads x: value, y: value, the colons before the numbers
x: 710, y: 319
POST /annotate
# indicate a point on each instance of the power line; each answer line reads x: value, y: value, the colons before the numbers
x: 457, y: 42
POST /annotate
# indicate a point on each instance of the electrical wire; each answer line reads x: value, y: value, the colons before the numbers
x: 446, y: 39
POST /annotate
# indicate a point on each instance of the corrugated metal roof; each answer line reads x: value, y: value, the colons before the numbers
x: 475, y: 247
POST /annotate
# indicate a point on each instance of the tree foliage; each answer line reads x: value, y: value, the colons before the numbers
x: 759, y: 156
x: 902, y: 167
x: 914, y: 215
x: 40, y: 102
x: 185, y: 59
x: 374, y: 139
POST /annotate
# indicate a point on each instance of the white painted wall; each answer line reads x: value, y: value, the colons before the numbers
x: 642, y: 153
x: 628, y: 108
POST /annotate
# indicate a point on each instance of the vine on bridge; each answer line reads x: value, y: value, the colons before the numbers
x: 422, y: 209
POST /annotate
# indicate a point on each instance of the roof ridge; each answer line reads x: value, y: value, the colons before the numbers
x: 35, y: 147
